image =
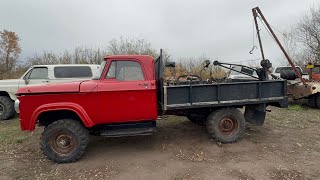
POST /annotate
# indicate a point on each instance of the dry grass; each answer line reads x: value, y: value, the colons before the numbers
x: 10, y: 134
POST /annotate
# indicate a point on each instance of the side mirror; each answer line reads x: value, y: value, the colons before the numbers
x: 26, y: 80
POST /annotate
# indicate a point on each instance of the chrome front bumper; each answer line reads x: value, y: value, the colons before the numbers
x: 17, y: 106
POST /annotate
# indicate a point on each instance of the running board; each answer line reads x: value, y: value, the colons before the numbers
x: 129, y: 129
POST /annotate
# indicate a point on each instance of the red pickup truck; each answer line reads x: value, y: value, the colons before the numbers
x: 127, y: 99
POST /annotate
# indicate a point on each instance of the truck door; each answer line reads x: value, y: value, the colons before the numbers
x: 36, y: 76
x: 126, y: 94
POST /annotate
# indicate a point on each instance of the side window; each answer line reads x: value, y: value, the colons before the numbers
x: 39, y: 73
x: 125, y: 71
x: 72, y: 72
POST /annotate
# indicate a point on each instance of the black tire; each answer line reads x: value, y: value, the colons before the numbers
x: 6, y: 108
x: 64, y: 141
x: 198, y: 119
x: 312, y: 101
x: 317, y: 100
x: 226, y: 125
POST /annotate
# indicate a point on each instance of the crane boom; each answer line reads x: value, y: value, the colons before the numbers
x: 257, y: 12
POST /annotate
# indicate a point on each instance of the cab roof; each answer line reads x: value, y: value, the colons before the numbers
x: 123, y: 57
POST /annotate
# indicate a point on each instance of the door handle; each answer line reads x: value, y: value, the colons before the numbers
x: 144, y: 84
x: 45, y: 81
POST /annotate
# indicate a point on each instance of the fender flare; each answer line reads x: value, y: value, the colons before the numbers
x: 76, y: 108
x: 12, y: 96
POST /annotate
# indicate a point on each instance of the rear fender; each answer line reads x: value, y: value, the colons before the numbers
x: 62, y: 106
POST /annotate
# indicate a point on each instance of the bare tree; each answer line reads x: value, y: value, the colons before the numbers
x: 290, y: 44
x: 88, y: 55
x: 78, y: 56
x: 195, y: 66
x: 307, y: 33
x: 9, y: 50
x: 123, y: 46
x: 130, y: 46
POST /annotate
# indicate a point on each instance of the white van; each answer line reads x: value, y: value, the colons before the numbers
x: 42, y: 74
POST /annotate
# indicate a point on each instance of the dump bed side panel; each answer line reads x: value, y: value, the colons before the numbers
x: 225, y: 94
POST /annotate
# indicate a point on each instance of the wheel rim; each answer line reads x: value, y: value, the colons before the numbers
x: 228, y: 126
x: 1, y: 109
x: 63, y: 143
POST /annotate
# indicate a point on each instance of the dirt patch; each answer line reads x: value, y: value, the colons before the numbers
x: 283, y: 173
x: 286, y: 147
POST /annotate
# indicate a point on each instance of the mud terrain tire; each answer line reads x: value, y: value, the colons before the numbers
x: 64, y: 141
x: 312, y: 101
x: 6, y: 108
x: 226, y: 125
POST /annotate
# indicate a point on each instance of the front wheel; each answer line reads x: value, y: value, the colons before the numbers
x: 226, y: 125
x: 6, y: 108
x: 64, y: 141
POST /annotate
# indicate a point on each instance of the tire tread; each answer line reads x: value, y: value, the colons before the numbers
x: 9, y: 111
x: 77, y: 128
x: 212, y: 123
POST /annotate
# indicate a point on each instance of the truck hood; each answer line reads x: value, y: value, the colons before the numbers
x: 69, y: 87
x: 9, y: 82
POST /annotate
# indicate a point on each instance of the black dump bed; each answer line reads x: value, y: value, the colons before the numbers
x: 225, y: 94
x: 236, y: 94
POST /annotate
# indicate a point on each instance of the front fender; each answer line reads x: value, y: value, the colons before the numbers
x: 12, y: 96
x: 62, y: 106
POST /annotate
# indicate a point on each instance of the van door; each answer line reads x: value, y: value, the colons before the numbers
x: 36, y: 76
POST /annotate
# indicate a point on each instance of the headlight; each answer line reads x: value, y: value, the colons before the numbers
x: 17, y: 106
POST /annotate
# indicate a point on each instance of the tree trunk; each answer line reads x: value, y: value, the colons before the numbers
x: 7, y: 60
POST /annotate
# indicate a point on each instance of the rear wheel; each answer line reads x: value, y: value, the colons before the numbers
x: 312, y: 101
x: 64, y: 141
x: 6, y: 108
x: 317, y: 100
x: 226, y: 125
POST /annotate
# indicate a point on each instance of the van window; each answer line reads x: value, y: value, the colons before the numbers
x: 38, y: 73
x: 72, y: 72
